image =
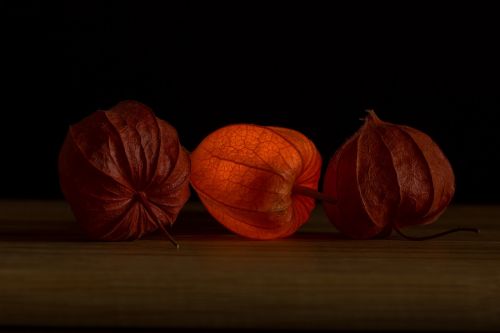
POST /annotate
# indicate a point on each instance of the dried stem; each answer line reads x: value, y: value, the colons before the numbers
x: 169, y: 236
x: 309, y: 192
x: 439, y: 234
x: 142, y: 198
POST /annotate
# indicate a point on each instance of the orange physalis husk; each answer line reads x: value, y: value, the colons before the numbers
x: 252, y: 179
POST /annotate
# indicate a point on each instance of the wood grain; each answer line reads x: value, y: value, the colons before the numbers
x: 50, y: 276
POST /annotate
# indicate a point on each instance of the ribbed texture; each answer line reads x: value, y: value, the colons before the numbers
x: 123, y: 172
x: 387, y: 175
x: 244, y: 175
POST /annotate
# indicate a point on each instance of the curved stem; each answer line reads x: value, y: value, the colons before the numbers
x: 439, y: 234
x: 311, y: 193
x: 145, y: 203
x: 169, y: 236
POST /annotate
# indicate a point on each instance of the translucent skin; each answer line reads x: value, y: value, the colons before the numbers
x: 123, y: 172
x: 387, y: 176
x: 245, y: 175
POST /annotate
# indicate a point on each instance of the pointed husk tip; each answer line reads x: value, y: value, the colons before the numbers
x: 372, y: 116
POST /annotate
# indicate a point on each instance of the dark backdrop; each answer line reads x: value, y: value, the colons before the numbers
x: 202, y: 67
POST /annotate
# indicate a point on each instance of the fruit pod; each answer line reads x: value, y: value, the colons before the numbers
x: 246, y: 176
x: 387, y: 177
x: 124, y: 172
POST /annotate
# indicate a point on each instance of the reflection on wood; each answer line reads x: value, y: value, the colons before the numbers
x: 51, y: 276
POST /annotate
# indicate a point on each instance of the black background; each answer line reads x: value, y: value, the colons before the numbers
x: 202, y: 67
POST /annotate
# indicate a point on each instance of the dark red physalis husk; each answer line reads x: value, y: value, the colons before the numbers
x: 387, y: 177
x: 124, y: 172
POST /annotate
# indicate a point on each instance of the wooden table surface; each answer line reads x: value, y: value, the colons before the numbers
x: 50, y: 276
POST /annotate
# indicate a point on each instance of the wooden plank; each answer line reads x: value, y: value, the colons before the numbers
x: 50, y: 276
